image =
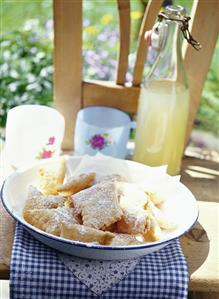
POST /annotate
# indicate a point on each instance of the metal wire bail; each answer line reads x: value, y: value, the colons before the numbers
x: 184, y: 28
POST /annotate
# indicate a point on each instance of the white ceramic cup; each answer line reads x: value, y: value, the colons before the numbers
x: 33, y: 132
x: 102, y: 129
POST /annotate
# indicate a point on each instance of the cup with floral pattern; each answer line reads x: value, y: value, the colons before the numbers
x: 33, y: 132
x: 102, y: 129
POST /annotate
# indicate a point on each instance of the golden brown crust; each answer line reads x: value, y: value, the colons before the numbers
x: 36, y: 200
x: 50, y: 220
x: 76, y: 184
x: 132, y: 223
x: 68, y: 202
x: 111, y: 211
x: 123, y: 240
x: 85, y: 234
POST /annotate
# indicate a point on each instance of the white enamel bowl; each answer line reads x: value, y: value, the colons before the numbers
x: 182, y: 206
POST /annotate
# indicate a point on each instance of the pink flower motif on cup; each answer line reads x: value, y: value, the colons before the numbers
x: 51, y: 140
x: 48, y: 149
x: 100, y: 141
x: 46, y: 154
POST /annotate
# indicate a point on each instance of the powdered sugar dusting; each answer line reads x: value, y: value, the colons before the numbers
x: 36, y: 200
x: 99, y: 205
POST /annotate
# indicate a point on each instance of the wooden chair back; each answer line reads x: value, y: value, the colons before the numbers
x: 71, y: 92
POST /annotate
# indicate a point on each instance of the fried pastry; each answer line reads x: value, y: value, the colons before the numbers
x: 36, y: 200
x: 156, y: 198
x: 153, y: 231
x: 76, y: 184
x: 69, y: 202
x: 51, y: 176
x: 85, y: 234
x: 131, y: 196
x: 111, y: 228
x: 95, y: 208
x: 162, y: 220
x: 50, y: 220
x: 123, y: 240
x: 132, y: 222
x: 132, y: 200
x: 98, y: 205
x: 111, y: 178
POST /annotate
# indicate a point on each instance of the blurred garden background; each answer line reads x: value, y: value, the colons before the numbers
x: 26, y: 57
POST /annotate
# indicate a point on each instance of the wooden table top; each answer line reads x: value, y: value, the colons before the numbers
x: 200, y: 245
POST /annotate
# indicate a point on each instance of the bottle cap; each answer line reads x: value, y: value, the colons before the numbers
x: 175, y: 11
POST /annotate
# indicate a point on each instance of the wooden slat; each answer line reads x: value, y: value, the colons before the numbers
x: 204, y: 28
x: 124, y: 26
x: 7, y: 228
x: 200, y: 245
x: 201, y: 253
x: 203, y: 295
x: 149, y: 18
x: 110, y: 94
x: 7, y: 223
x: 68, y: 62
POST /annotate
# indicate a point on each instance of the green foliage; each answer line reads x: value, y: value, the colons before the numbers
x: 25, y: 70
x: 208, y: 112
x: 101, y: 37
x: 15, y: 13
x: 26, y: 66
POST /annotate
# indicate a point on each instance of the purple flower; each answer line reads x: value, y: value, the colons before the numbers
x: 102, y: 37
x: 201, y: 144
x: 100, y: 141
x: 33, y: 50
x: 86, y: 23
x: 34, y: 38
x: 97, y: 142
x: 101, y: 75
x: 104, y: 54
x: 129, y: 77
x: 49, y: 24
x: 112, y: 40
x: 113, y: 62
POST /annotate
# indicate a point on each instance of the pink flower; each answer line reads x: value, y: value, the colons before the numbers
x: 46, y: 154
x: 97, y: 142
x: 147, y: 37
x: 51, y: 140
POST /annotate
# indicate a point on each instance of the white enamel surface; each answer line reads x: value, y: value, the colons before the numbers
x: 92, y: 252
x: 180, y: 205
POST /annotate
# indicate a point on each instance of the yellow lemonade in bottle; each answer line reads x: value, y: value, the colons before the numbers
x: 161, y: 124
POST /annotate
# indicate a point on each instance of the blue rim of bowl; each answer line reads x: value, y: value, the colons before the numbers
x: 90, y: 245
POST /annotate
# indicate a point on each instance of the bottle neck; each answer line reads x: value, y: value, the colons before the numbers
x: 173, y: 41
x: 169, y: 63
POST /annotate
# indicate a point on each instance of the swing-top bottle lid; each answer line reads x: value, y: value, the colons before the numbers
x: 175, y: 11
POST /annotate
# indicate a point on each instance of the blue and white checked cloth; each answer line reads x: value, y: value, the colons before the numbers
x: 38, y: 273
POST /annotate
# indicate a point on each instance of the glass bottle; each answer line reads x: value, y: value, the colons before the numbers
x: 164, y: 100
